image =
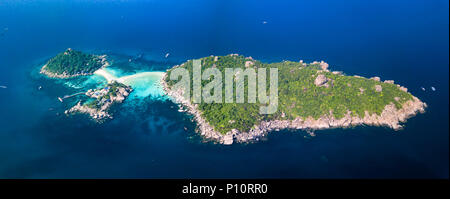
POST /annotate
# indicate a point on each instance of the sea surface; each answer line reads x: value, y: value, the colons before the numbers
x: 406, y: 41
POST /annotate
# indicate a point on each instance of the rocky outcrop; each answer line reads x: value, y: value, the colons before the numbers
x: 206, y: 130
x: 402, y: 88
x: 324, y: 66
x: 378, y: 88
x: 249, y: 63
x: 390, y: 117
x: 376, y: 79
x: 97, y: 114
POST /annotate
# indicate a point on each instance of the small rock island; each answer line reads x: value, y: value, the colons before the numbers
x: 310, y: 97
x: 71, y: 63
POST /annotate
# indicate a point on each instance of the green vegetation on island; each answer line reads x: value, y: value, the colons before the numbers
x: 73, y: 63
x: 304, y: 90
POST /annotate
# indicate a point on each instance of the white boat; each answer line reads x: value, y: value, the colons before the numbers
x: 264, y: 22
x: 422, y: 88
x: 167, y: 55
x: 60, y: 99
x: 432, y: 88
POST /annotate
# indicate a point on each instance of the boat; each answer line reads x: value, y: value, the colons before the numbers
x: 60, y: 99
x: 422, y: 88
x: 3, y: 87
x: 167, y: 55
x: 432, y: 88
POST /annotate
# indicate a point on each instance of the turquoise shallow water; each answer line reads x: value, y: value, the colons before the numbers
x: 144, y: 83
x: 149, y: 138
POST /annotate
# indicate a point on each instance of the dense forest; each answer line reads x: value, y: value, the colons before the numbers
x: 73, y: 62
x: 299, y: 96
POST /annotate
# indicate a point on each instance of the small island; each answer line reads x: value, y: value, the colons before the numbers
x: 310, y: 97
x: 72, y: 63
x: 101, y: 101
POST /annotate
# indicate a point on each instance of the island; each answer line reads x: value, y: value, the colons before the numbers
x: 311, y: 97
x: 72, y: 63
x: 101, y: 101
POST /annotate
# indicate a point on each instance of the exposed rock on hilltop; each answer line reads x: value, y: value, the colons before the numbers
x: 320, y: 80
x: 378, y: 88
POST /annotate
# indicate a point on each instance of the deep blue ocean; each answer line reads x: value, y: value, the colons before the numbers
x: 403, y: 40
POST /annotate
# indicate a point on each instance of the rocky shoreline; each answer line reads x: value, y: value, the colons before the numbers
x: 64, y: 75
x: 390, y: 117
x: 206, y: 130
x: 93, y: 113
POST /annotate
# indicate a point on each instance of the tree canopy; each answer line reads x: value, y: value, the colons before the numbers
x: 73, y: 62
